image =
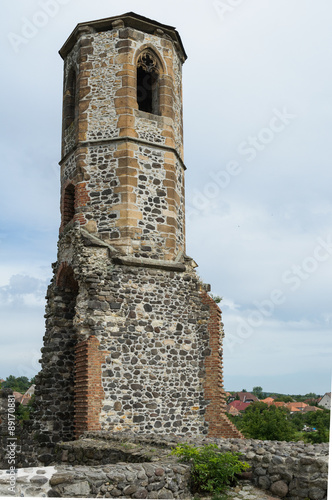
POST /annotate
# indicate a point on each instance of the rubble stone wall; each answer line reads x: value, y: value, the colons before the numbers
x: 90, y: 467
x: 147, y: 344
x: 160, y: 480
x: 288, y: 470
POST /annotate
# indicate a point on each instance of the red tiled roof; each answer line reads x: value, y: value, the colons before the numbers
x: 312, y: 408
x: 232, y: 410
x: 18, y: 396
x: 239, y: 405
x: 244, y: 396
x: 279, y: 403
x: 297, y: 404
x: 25, y: 400
x: 268, y: 401
x: 293, y: 408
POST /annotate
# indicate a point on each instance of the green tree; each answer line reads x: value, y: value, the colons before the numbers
x: 258, y: 391
x: 311, y: 395
x: 284, y: 398
x: 261, y: 421
x: 298, y: 420
x: 319, y: 420
x: 18, y: 384
x: 23, y: 412
x: 321, y: 434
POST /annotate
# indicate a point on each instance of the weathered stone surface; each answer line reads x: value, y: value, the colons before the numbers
x: 279, y: 488
x: 316, y: 493
x: 128, y: 490
x: 38, y: 480
x: 140, y: 493
x: 61, y: 478
x: 264, y: 482
x: 79, y: 489
x: 259, y: 471
x: 164, y: 476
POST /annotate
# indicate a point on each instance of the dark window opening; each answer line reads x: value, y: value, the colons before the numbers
x: 70, y: 100
x: 69, y: 204
x: 148, y: 84
x: 66, y: 279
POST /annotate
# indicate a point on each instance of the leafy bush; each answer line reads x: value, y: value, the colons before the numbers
x: 19, y: 384
x: 320, y: 436
x: 211, y: 470
x: 23, y: 412
x: 261, y: 421
x: 320, y: 420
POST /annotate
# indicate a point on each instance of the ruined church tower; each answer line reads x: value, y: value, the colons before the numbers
x: 133, y: 340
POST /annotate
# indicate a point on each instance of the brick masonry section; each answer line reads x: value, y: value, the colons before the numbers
x: 89, y: 393
x: 219, y: 424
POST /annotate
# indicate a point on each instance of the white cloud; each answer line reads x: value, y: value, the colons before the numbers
x: 23, y: 290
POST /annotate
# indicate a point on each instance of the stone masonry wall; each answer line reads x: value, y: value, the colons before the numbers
x: 153, y: 330
x: 90, y: 468
x: 160, y: 480
x: 54, y: 392
x: 285, y: 469
x: 115, y: 464
x: 132, y: 341
x: 157, y: 340
x: 294, y: 471
x: 129, y: 193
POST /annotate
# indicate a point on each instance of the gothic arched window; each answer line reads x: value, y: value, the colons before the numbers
x: 70, y: 99
x: 148, y: 83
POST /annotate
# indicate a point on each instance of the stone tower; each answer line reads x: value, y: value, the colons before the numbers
x: 133, y: 340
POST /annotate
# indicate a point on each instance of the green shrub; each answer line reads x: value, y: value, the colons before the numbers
x: 211, y: 470
x: 23, y: 412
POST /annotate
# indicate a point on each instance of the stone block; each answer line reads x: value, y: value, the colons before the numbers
x: 140, y: 493
x: 300, y: 492
x: 264, y: 482
x: 164, y: 493
x: 279, y: 488
x: 316, y: 493
x: 129, y: 490
x: 39, y: 480
x: 76, y: 489
x: 260, y: 471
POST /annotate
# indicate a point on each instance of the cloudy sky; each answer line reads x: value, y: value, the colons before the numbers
x: 257, y: 110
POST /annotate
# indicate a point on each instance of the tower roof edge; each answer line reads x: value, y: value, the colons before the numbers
x: 130, y: 20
